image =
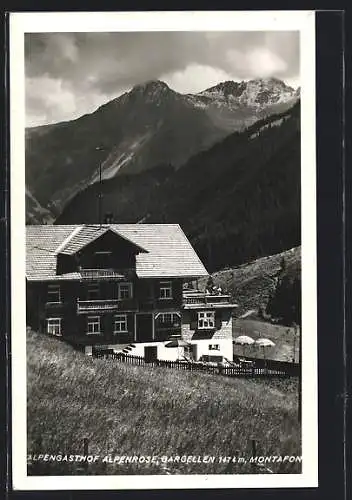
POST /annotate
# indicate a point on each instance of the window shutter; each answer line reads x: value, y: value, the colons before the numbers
x: 194, y: 320
x: 218, y: 319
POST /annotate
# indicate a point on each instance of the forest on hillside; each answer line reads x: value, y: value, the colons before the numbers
x: 237, y: 201
x: 240, y: 200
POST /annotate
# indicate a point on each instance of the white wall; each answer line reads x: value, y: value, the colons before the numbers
x: 221, y: 337
x: 174, y: 353
x: 225, y: 348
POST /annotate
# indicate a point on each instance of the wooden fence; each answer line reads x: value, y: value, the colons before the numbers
x: 249, y: 368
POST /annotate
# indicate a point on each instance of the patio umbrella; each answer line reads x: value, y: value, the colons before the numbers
x: 177, y: 343
x: 244, y: 340
x: 264, y: 343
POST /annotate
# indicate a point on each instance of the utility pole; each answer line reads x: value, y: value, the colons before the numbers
x: 100, y: 194
x: 100, y: 197
x: 208, y: 244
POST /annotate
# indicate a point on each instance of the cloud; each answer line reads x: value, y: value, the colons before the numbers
x: 259, y: 61
x: 68, y: 74
x: 49, y: 100
x: 194, y: 78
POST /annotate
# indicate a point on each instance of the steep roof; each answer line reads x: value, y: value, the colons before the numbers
x: 85, y: 235
x: 165, y: 250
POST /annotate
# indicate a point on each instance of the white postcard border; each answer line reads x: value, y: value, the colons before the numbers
x: 303, y: 21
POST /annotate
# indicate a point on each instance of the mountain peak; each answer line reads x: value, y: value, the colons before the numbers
x: 257, y: 93
x: 227, y: 87
x: 151, y: 86
x: 235, y: 88
x: 151, y: 91
x: 271, y: 81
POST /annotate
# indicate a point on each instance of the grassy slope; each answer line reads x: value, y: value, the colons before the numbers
x: 131, y: 410
x: 251, y: 286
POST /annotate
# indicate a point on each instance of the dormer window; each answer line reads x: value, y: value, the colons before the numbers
x: 54, y: 294
x: 165, y: 290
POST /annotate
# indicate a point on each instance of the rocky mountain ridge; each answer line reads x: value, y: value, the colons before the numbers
x: 148, y: 126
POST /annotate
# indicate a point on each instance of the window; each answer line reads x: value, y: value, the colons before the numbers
x: 120, y: 323
x: 206, y: 319
x: 93, y: 292
x: 168, y: 319
x: 214, y: 347
x: 125, y: 290
x: 165, y: 290
x: 93, y: 325
x: 53, y: 326
x: 54, y: 294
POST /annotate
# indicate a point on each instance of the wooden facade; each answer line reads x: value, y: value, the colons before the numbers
x: 148, y: 316
x: 99, y: 295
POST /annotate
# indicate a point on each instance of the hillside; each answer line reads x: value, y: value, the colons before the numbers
x: 128, y: 197
x: 35, y: 213
x: 286, y: 340
x: 237, y: 201
x: 252, y: 286
x: 148, y: 126
x: 132, y: 410
x: 253, y: 283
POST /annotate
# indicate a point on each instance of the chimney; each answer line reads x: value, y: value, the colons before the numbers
x: 109, y: 218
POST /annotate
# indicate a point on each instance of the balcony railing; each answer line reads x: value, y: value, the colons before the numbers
x: 94, y: 274
x: 105, y: 305
x: 204, y: 299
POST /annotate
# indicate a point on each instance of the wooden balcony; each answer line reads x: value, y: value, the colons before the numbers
x: 106, y: 305
x: 105, y: 274
x: 195, y: 300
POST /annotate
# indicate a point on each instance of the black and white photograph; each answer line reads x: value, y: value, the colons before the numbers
x: 163, y: 218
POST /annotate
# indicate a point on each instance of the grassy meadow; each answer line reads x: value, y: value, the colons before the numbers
x: 132, y: 410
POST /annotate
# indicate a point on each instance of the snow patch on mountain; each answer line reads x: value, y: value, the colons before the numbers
x: 35, y: 213
x: 257, y: 94
x: 274, y: 123
x: 119, y: 157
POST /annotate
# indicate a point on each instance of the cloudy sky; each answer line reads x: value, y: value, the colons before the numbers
x: 69, y: 74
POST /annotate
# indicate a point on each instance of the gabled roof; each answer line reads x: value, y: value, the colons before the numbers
x: 165, y: 252
x: 87, y: 234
